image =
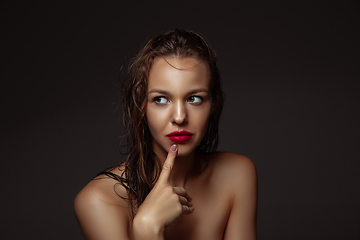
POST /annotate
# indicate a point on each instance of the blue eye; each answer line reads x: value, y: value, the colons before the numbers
x: 195, y: 99
x: 160, y: 100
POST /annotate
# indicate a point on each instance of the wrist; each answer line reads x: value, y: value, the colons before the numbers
x: 147, y: 228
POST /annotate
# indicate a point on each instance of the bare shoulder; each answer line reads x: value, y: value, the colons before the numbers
x: 236, y: 174
x: 233, y: 164
x: 233, y: 172
x: 102, y: 209
x: 103, y: 189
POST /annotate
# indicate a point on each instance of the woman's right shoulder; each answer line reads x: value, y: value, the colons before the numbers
x: 102, y: 208
x: 104, y: 189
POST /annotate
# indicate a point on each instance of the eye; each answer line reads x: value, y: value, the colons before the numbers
x: 160, y: 100
x: 195, y: 99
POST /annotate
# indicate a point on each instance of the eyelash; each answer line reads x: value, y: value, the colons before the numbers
x: 201, y: 99
x: 157, y: 100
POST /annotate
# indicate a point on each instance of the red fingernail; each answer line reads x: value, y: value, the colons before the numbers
x: 173, y: 148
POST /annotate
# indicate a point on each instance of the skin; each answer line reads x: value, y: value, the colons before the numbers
x: 197, y: 196
x: 178, y: 100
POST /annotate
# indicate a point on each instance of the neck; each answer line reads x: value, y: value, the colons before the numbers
x: 184, y: 167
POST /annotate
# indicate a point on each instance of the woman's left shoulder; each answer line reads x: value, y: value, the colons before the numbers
x: 232, y: 160
x: 233, y: 165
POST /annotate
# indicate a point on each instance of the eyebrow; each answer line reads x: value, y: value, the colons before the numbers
x: 160, y: 91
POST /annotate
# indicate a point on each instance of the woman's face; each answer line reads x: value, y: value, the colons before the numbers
x: 179, y: 103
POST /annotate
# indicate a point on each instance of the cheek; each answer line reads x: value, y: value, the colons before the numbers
x: 201, y: 119
x: 205, y: 126
x: 155, y: 119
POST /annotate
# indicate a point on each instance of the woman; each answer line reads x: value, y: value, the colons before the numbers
x: 173, y: 184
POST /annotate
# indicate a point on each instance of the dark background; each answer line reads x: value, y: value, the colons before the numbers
x: 290, y: 73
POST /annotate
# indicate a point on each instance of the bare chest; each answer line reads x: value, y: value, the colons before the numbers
x: 211, y: 212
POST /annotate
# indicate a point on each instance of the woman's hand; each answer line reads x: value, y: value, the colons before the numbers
x: 163, y: 204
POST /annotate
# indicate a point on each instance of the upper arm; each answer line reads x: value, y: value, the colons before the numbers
x: 242, y: 219
x: 101, y: 213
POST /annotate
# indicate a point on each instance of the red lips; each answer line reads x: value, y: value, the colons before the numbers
x: 179, y: 136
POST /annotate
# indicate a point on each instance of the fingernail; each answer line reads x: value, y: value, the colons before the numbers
x: 173, y: 148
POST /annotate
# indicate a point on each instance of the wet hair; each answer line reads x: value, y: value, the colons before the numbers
x: 141, y: 167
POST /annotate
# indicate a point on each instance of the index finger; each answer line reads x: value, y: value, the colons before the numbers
x: 168, y: 165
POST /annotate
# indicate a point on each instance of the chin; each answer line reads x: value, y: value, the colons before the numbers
x: 185, y: 150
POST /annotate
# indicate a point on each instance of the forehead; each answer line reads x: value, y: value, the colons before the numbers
x: 178, y: 73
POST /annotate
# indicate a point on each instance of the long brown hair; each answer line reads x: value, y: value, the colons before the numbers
x: 141, y: 168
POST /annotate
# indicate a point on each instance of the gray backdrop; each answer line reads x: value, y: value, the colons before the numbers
x: 290, y: 73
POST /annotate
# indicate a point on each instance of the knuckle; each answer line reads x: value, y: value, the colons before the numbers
x: 185, y: 209
x: 169, y: 189
x: 179, y: 208
x: 166, y: 166
x: 175, y: 198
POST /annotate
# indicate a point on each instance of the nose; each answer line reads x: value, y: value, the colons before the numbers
x: 179, y: 114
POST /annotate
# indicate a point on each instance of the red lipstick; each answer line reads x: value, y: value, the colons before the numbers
x: 179, y: 136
